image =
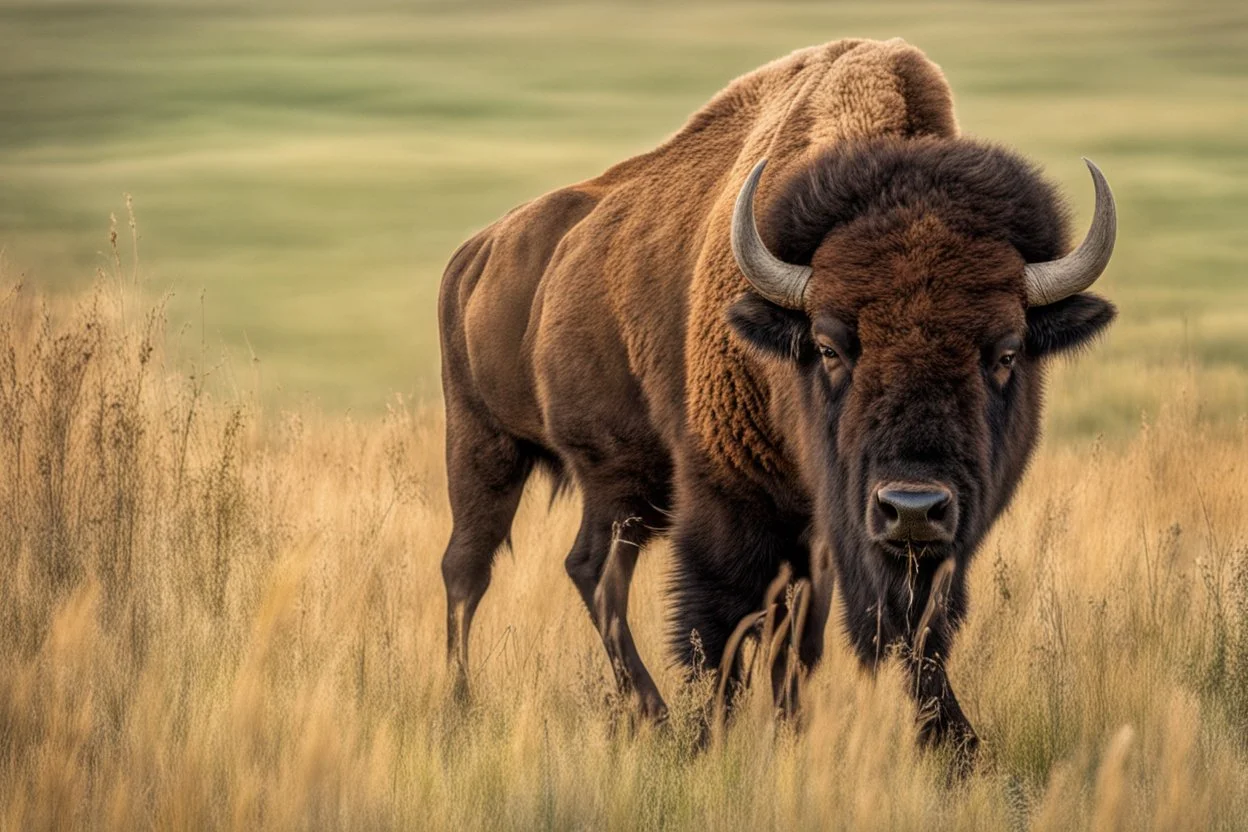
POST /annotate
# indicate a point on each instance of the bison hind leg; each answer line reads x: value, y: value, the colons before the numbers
x: 486, y: 472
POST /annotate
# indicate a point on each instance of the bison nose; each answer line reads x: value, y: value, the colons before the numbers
x: 920, y: 512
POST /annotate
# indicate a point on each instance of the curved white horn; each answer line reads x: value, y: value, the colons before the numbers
x: 779, y: 282
x: 1050, y: 282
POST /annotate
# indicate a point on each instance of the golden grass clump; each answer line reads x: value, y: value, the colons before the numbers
x: 220, y: 617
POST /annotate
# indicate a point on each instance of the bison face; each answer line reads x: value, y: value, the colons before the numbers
x: 915, y: 344
x: 919, y: 371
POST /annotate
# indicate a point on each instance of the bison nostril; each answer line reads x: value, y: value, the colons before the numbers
x: 889, y: 511
x: 914, y: 512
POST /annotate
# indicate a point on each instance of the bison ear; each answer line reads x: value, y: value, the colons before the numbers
x: 1068, y: 324
x: 774, y: 330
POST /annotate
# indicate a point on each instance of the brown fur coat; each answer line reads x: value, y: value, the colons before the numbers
x: 635, y: 266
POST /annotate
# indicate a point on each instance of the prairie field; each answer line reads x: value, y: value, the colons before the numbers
x: 222, y: 488
x: 222, y: 616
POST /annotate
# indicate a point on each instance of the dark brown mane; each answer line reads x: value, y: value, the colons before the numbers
x: 979, y: 190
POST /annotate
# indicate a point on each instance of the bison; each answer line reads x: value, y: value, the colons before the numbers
x: 851, y: 386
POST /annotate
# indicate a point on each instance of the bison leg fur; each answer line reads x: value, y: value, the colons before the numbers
x: 921, y: 632
x: 601, y: 566
x: 940, y: 716
x: 727, y: 558
x: 486, y: 472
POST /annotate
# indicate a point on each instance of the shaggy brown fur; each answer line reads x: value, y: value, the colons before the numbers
x: 604, y: 331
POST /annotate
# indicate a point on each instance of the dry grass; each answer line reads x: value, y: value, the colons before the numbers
x: 215, y: 616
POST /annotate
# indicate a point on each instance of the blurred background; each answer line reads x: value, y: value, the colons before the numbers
x: 309, y: 167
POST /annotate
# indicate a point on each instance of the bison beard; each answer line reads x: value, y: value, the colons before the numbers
x: 867, y: 414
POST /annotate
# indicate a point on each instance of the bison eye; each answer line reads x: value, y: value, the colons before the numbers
x: 1000, y: 358
x: 827, y: 352
x: 1005, y: 367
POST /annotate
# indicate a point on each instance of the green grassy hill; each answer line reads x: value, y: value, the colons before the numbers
x: 310, y: 167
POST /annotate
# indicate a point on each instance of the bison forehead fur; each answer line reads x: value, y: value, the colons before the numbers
x: 605, y: 333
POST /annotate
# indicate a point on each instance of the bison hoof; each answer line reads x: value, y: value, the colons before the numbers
x: 652, y: 709
x: 959, y: 738
x: 965, y: 754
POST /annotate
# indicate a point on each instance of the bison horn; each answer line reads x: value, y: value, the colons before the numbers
x: 779, y: 282
x: 1050, y: 282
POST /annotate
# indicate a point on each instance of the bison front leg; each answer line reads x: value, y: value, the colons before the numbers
x: 610, y: 609
x: 601, y: 565
x: 916, y: 616
x: 790, y: 638
x: 727, y: 559
x: 816, y: 606
x: 940, y: 716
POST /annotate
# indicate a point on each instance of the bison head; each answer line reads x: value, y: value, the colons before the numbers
x: 918, y: 290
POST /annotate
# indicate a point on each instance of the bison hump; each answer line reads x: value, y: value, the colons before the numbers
x: 798, y: 107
